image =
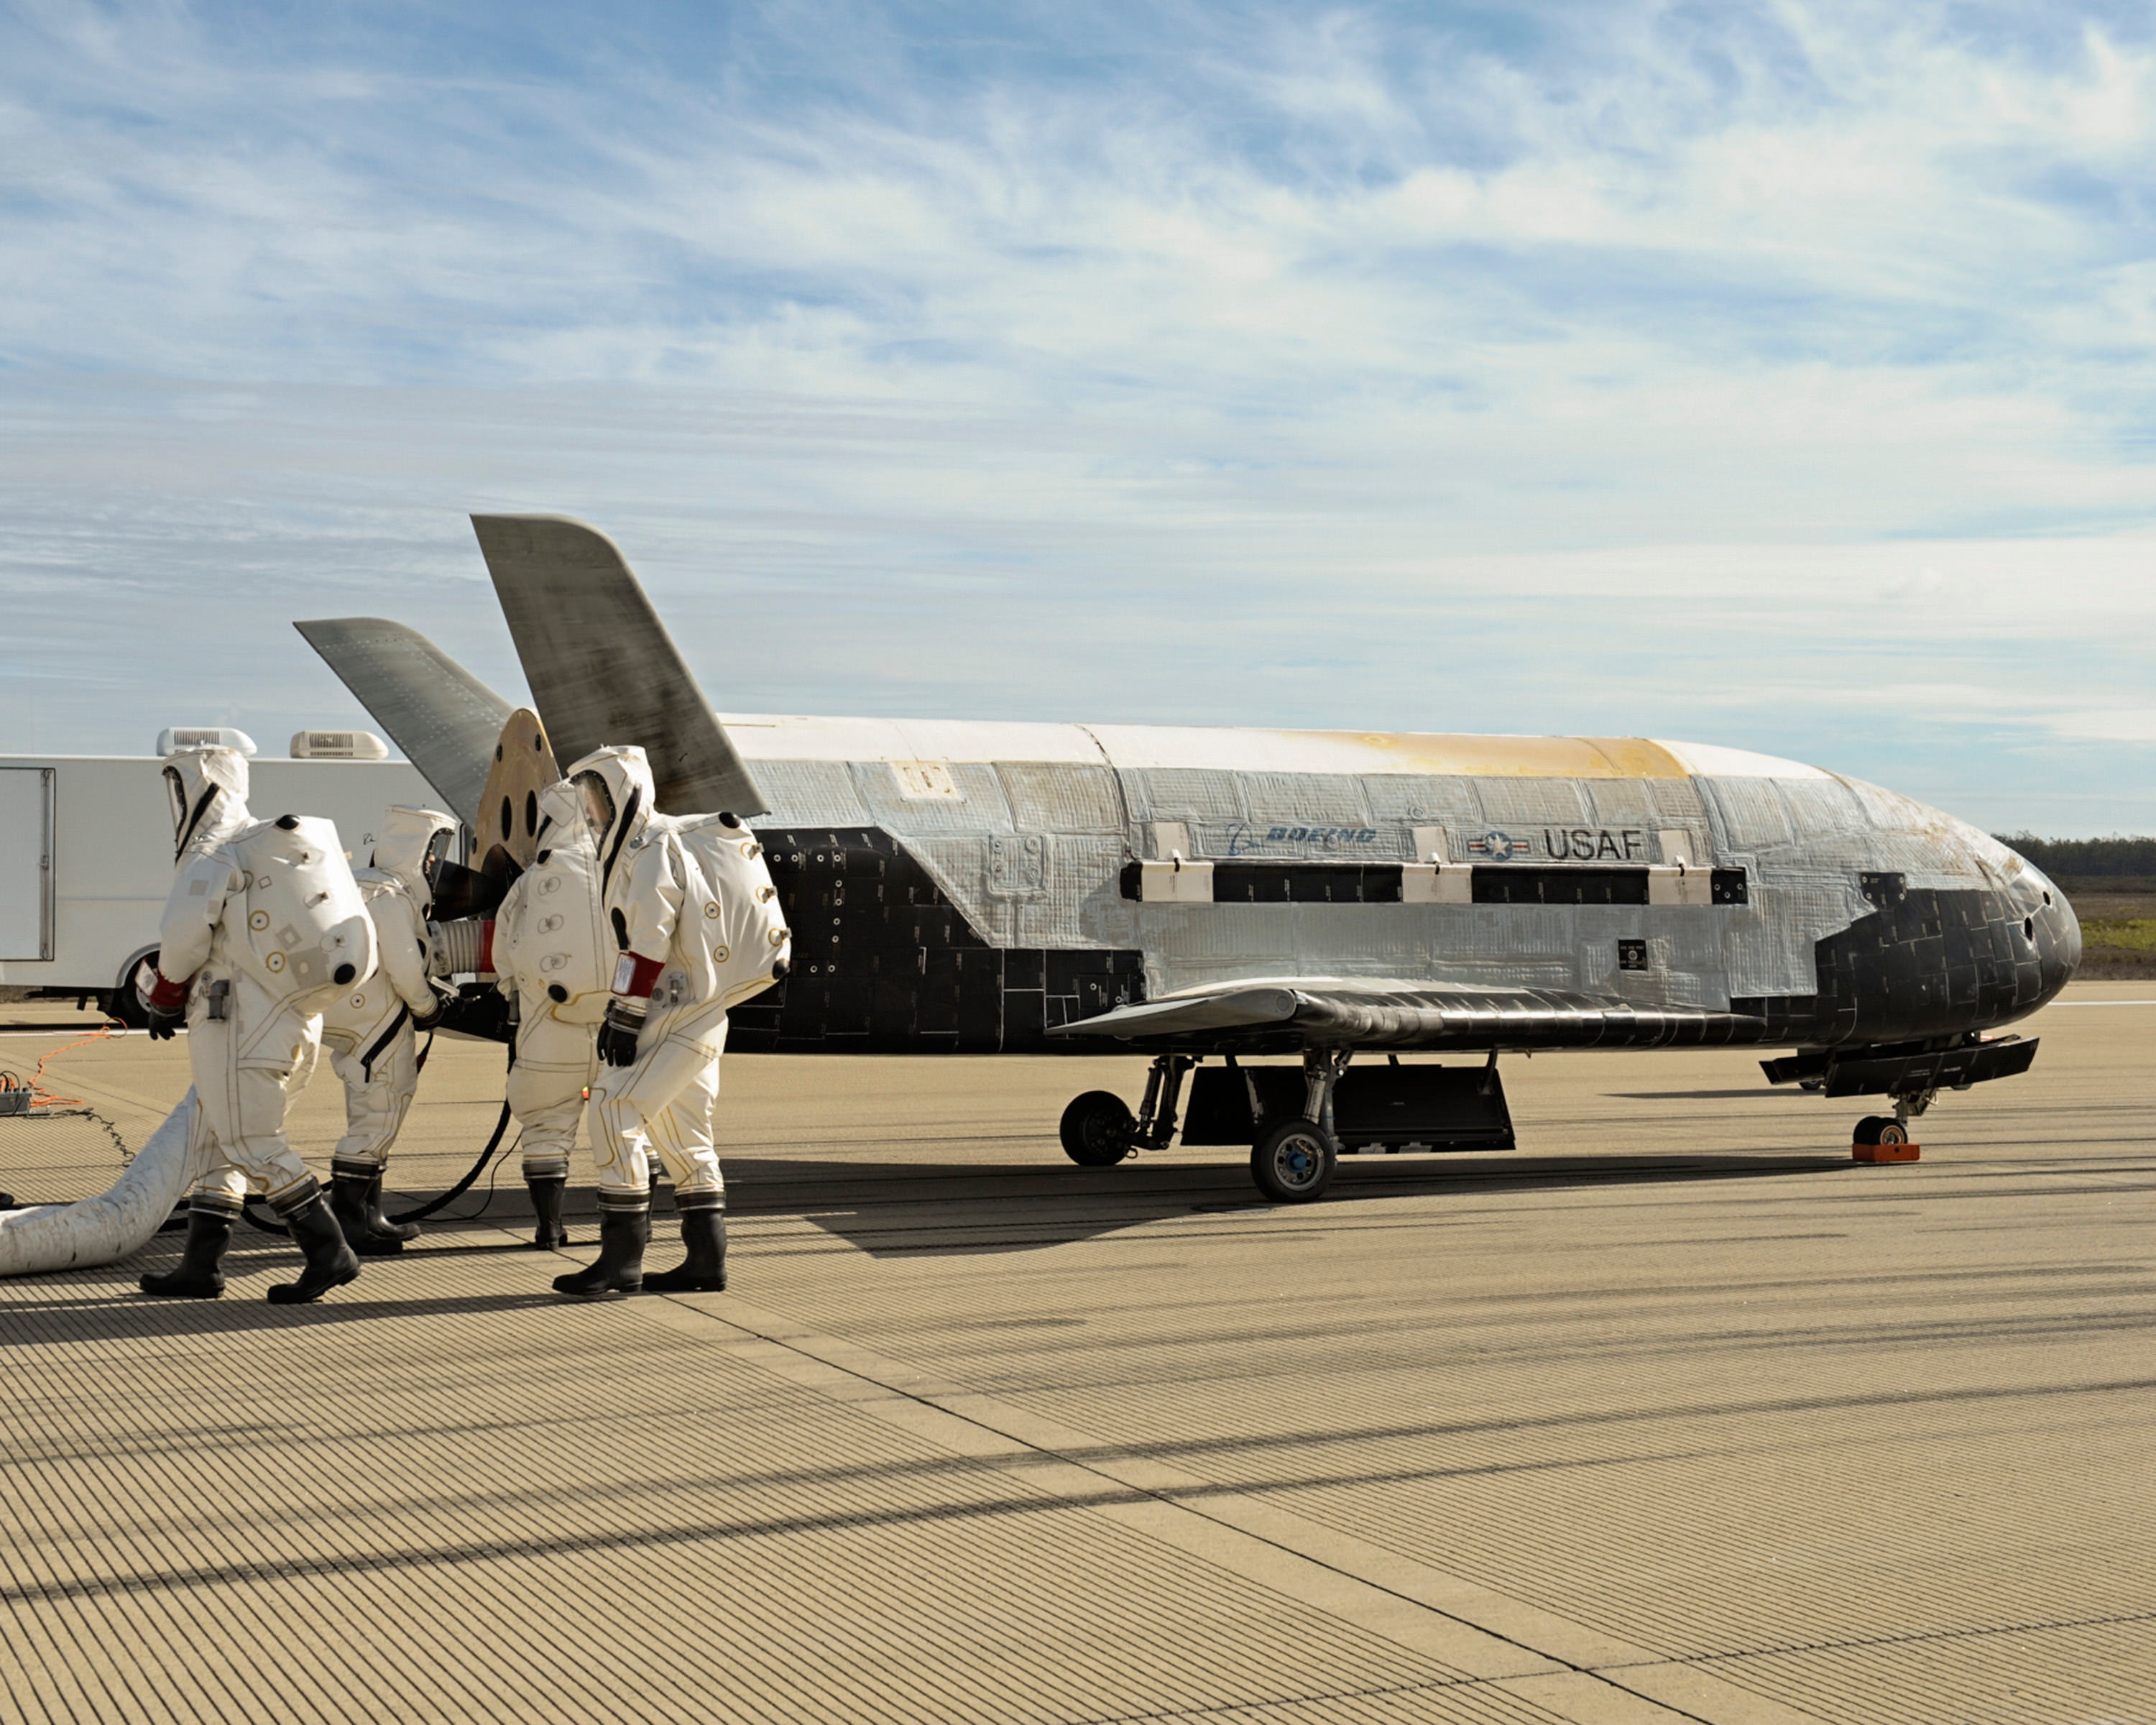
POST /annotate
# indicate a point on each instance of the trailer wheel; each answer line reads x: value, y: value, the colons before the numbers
x: 121, y: 1004
x: 1293, y: 1163
x: 1097, y: 1129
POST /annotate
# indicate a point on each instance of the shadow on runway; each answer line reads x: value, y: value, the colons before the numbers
x: 884, y: 1208
x: 67, y: 1322
x: 915, y: 1208
x: 1754, y: 1094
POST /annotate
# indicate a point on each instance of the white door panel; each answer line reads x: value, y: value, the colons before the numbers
x: 26, y: 863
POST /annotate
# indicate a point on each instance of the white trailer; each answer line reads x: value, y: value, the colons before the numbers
x: 86, y: 854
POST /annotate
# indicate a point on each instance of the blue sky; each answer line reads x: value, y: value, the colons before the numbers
x: 1775, y: 375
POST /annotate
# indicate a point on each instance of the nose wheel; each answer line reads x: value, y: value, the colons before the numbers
x: 1883, y: 1137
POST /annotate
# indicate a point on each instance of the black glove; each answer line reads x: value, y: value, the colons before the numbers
x: 162, y: 1017
x: 618, y: 1033
x: 443, y: 996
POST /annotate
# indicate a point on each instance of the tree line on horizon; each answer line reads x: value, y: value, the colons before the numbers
x: 2115, y: 855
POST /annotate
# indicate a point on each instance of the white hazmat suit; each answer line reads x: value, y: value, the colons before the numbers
x: 368, y: 1028
x: 263, y: 919
x: 555, y: 955
x: 696, y: 928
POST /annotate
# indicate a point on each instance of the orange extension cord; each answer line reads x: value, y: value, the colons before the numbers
x: 40, y: 1097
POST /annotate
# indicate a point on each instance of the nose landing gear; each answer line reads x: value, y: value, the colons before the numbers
x: 1881, y: 1137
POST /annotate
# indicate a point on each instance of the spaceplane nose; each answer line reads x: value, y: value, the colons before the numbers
x: 2058, y: 937
x: 2050, y: 927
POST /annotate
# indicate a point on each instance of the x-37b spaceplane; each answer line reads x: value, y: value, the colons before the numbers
x: 1216, y: 897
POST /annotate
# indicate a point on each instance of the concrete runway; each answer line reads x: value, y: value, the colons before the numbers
x: 1673, y: 1413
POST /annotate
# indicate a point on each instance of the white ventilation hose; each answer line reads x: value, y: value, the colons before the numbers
x: 113, y: 1225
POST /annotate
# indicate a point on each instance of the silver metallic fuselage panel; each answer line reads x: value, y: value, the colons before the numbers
x: 1027, y: 830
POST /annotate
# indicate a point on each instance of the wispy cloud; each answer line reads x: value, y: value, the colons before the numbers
x: 1778, y: 373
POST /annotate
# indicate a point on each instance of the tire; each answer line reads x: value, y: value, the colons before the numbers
x: 121, y: 1004
x: 1881, y: 1129
x: 1098, y: 1129
x: 1293, y: 1163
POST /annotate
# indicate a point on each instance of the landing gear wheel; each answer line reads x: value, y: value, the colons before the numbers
x: 1098, y: 1129
x: 1881, y: 1129
x: 120, y: 1003
x: 1293, y: 1163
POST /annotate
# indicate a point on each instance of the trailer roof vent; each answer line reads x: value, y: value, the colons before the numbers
x: 203, y: 736
x: 338, y: 746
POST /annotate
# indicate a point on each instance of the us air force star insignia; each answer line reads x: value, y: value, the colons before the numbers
x: 1498, y: 847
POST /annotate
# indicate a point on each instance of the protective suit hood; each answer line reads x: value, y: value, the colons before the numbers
x: 561, y: 817
x: 626, y: 775
x: 407, y: 838
x: 205, y: 790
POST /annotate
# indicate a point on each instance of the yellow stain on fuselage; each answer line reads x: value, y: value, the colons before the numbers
x: 1506, y: 756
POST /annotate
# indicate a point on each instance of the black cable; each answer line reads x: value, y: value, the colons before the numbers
x: 9, y: 1201
x: 427, y: 1210
x: 485, y: 1156
x: 464, y: 1185
x: 455, y: 1192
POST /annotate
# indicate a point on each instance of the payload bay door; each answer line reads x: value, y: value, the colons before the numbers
x: 26, y: 863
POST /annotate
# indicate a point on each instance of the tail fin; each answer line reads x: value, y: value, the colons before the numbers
x: 601, y: 664
x: 445, y: 719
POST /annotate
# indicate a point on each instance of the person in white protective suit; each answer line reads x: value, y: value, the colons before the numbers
x: 556, y: 954
x: 253, y: 1035
x: 368, y: 1030
x: 696, y: 930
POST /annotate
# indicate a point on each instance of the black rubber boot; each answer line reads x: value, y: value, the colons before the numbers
x: 546, y: 1193
x: 624, y: 1227
x: 331, y: 1263
x: 375, y: 1214
x: 356, y: 1202
x: 704, y: 1233
x: 199, y: 1275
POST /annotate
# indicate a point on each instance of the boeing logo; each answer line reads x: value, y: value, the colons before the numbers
x: 1242, y: 839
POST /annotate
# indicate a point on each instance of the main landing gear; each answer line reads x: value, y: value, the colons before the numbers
x: 1098, y: 1131
x: 1292, y: 1161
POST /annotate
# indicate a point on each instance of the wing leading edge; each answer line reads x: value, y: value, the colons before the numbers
x: 1371, y: 1013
